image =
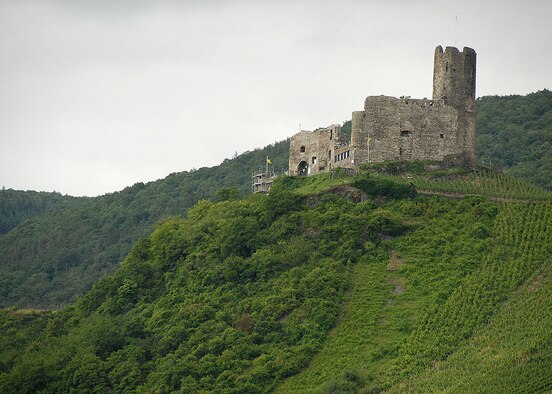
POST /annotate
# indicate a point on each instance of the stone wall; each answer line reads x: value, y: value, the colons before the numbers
x: 311, y: 152
x: 406, y: 129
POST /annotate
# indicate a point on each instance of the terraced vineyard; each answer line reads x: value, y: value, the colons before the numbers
x: 461, y: 303
x: 481, y: 181
x: 487, y: 183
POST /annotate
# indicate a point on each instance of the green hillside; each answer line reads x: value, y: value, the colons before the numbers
x: 329, y: 284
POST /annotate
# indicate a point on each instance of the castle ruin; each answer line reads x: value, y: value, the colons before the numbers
x: 392, y: 128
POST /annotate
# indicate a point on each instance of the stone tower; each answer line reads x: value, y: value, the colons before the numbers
x: 454, y: 82
x: 454, y: 77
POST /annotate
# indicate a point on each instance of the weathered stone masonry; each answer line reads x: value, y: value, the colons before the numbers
x: 401, y: 129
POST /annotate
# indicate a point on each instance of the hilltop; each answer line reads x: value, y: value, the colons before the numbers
x: 51, y: 255
x: 333, y: 283
x: 17, y: 207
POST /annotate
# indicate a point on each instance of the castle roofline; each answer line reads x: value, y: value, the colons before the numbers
x: 303, y: 132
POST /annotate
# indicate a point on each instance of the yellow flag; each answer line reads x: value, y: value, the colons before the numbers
x: 268, y: 161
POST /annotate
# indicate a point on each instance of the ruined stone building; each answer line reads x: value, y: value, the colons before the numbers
x: 392, y: 128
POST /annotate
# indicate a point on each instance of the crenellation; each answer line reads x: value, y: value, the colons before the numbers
x: 391, y: 128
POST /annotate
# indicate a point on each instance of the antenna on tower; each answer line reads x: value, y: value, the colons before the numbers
x: 456, y: 30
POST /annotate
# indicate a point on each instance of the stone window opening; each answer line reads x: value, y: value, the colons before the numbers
x: 314, y: 160
x: 329, y: 154
x: 442, y: 135
x: 331, y: 134
x: 405, y: 133
x: 302, y: 149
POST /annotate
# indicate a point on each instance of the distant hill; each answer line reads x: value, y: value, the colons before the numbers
x: 515, y: 132
x: 17, y: 206
x: 395, y: 279
x: 56, y: 253
x: 49, y: 260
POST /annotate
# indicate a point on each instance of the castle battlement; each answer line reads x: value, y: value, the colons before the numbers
x: 391, y: 128
x: 389, y: 100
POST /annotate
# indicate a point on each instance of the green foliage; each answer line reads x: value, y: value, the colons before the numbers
x: 18, y: 329
x: 515, y: 132
x: 228, y: 194
x: 68, y: 243
x: 346, y: 129
x: 401, y: 167
x: 18, y: 206
x: 234, y: 298
x: 393, y: 287
x: 457, y: 305
x: 383, y: 187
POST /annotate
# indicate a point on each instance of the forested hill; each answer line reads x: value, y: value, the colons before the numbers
x: 46, y: 262
x: 17, y: 206
x: 515, y: 132
x: 59, y: 251
x: 330, y: 284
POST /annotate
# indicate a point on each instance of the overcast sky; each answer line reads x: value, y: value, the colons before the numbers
x: 97, y: 95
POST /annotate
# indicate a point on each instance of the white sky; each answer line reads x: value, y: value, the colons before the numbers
x: 96, y: 95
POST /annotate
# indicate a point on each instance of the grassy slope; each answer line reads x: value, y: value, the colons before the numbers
x: 347, y: 347
x: 435, y: 297
x: 389, y: 296
x: 511, y: 354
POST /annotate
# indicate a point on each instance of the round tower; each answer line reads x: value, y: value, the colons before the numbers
x: 454, y: 82
x: 454, y: 77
